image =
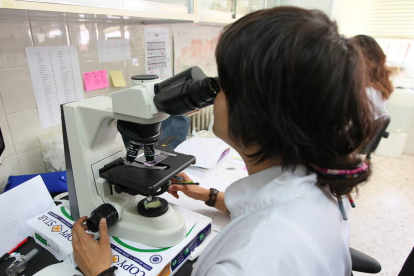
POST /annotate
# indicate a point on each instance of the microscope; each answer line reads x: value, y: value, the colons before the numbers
x: 106, y: 179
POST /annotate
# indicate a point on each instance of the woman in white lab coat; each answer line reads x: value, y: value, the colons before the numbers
x: 293, y: 104
x: 379, y: 86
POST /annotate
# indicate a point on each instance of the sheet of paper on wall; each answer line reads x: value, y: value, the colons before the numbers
x: 157, y: 52
x: 207, y: 151
x: 113, y: 50
x: 95, y: 80
x: 56, y: 80
x: 18, y: 205
x: 117, y: 78
x: 195, y: 45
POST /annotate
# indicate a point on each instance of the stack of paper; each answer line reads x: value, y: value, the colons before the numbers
x: 18, y: 205
x: 207, y: 151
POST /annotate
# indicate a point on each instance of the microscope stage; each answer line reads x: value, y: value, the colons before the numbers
x: 145, y: 181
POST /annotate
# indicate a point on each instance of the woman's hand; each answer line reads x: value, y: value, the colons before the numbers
x: 91, y: 256
x: 193, y: 191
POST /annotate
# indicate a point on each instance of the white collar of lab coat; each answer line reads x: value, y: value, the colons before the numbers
x: 267, y: 188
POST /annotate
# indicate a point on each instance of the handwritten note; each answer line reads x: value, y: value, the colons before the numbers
x: 113, y: 50
x: 19, y: 205
x: 95, y: 80
x: 118, y: 79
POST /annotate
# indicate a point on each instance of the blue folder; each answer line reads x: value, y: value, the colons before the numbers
x: 55, y: 181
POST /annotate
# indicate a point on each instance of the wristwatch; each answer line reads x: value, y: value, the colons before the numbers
x: 212, y: 197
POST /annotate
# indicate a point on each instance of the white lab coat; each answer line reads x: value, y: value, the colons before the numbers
x: 378, y: 104
x: 282, y: 224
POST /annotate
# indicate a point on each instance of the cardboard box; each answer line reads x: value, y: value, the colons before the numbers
x: 52, y: 231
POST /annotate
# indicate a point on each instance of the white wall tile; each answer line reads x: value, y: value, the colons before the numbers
x: 13, y: 13
x: 110, y: 30
x: 16, y: 90
x: 90, y: 65
x: 56, y: 129
x: 84, y: 35
x: 25, y: 129
x: 46, y: 15
x: 14, y: 37
x: 31, y: 162
x: 135, y: 34
x: 1, y: 107
x: 9, y: 166
x: 8, y: 141
x: 114, y: 66
x: 48, y: 28
x: 135, y: 66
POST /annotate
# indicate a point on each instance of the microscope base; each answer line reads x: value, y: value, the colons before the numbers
x: 166, y: 230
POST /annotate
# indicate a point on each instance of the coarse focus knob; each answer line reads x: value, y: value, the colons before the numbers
x: 107, y: 211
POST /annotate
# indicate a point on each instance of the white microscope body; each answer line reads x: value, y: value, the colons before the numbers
x: 99, y: 171
x: 94, y: 141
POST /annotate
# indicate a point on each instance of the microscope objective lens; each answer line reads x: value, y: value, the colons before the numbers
x: 132, y: 151
x: 149, y: 151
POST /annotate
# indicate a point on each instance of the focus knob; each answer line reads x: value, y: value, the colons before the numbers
x: 107, y: 211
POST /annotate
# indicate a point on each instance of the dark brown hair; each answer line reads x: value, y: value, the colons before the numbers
x: 378, y: 74
x: 295, y: 88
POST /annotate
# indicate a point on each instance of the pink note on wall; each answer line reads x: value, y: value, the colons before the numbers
x: 95, y: 80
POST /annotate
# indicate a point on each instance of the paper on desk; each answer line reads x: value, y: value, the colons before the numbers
x: 61, y: 269
x: 235, y: 158
x: 219, y: 219
x: 18, y: 205
x: 207, y: 151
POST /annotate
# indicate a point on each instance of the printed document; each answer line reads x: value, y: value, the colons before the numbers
x: 56, y: 80
x: 18, y: 205
x: 157, y: 52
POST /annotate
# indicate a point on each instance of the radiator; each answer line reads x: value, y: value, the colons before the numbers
x: 200, y: 120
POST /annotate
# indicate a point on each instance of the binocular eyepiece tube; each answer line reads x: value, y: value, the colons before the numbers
x: 187, y: 91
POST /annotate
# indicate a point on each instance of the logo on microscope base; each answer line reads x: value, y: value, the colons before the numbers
x: 156, y: 259
x: 57, y: 228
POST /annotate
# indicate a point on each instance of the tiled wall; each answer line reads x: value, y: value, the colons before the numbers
x: 19, y: 119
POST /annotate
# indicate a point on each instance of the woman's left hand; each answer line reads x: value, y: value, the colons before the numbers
x: 91, y: 256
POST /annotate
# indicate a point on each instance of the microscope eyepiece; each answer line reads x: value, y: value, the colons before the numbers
x: 202, y: 92
x: 187, y: 91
